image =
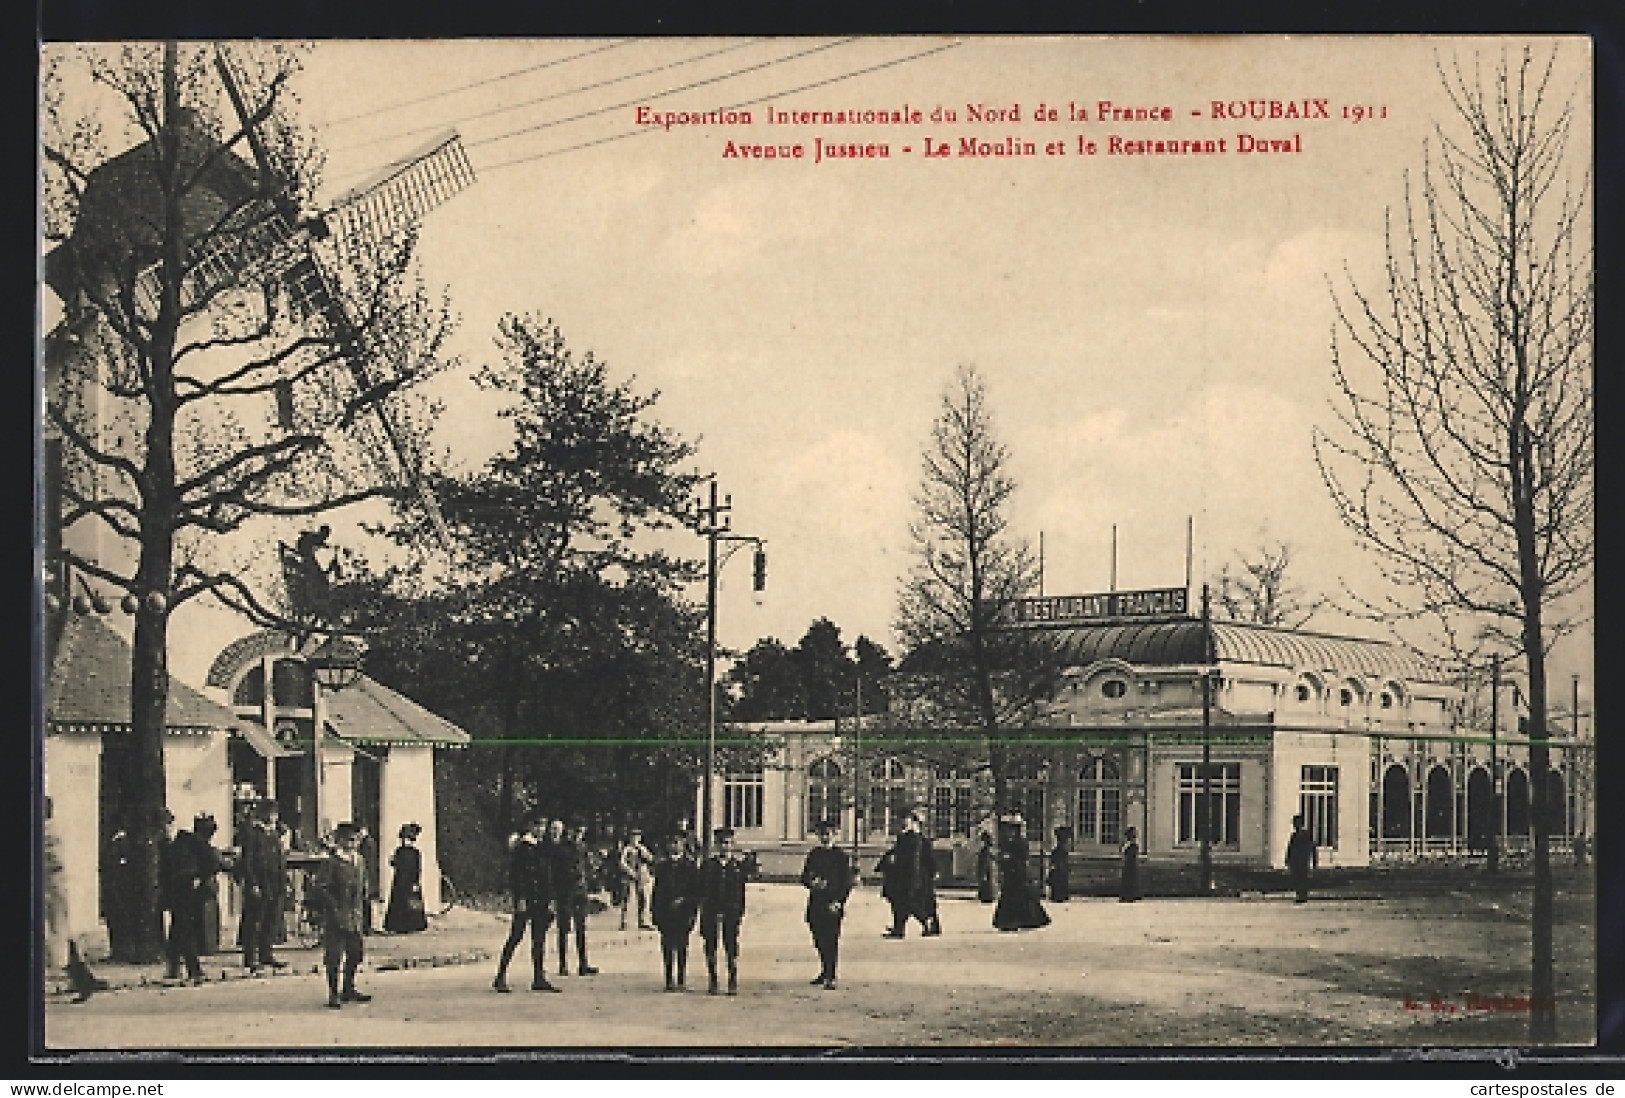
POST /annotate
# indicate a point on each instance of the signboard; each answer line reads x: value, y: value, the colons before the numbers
x: 1159, y: 602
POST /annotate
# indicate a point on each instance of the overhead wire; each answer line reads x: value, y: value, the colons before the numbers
x: 733, y: 106
x: 480, y: 83
x: 546, y: 98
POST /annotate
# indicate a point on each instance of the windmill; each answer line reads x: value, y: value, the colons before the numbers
x: 246, y: 224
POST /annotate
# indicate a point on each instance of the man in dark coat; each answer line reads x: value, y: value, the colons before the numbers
x: 530, y: 879
x: 722, y: 908
x: 339, y: 892
x: 1060, y: 866
x: 674, y: 902
x: 827, y: 876
x: 910, y: 874
x: 177, y: 880
x: 571, y: 874
x: 263, y: 868
x: 1300, y: 858
x: 987, y: 871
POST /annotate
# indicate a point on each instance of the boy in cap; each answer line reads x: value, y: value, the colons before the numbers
x: 340, y: 893
x: 722, y: 908
x: 827, y: 876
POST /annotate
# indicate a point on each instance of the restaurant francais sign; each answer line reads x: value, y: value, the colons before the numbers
x: 1159, y: 602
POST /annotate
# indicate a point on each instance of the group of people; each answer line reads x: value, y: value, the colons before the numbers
x: 551, y: 867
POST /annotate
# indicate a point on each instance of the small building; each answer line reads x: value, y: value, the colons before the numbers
x: 1361, y: 737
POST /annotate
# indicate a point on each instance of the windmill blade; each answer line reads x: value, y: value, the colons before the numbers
x: 397, y: 196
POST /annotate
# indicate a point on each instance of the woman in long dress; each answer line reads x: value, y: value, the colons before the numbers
x: 1130, y: 890
x: 1019, y: 907
x: 987, y: 871
x: 405, y: 914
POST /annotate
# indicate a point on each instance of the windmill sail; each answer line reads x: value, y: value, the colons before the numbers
x: 397, y: 196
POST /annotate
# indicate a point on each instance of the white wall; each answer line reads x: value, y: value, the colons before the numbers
x: 73, y: 782
x: 407, y: 795
x: 197, y: 778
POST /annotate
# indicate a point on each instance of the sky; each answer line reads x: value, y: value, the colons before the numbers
x: 1153, y: 330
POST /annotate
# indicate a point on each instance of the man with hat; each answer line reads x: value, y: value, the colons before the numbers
x: 722, y: 907
x: 636, y: 863
x: 827, y: 875
x: 263, y: 870
x: 340, y: 892
x: 910, y: 875
x: 530, y: 878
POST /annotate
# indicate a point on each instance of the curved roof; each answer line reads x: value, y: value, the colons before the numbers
x: 243, y: 651
x: 1163, y: 643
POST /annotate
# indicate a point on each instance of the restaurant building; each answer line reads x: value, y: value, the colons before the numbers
x: 1364, y: 738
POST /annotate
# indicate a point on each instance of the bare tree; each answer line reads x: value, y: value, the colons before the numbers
x: 1260, y: 592
x: 1466, y: 458
x: 215, y: 365
x: 970, y: 669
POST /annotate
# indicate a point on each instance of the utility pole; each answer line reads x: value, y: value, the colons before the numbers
x: 715, y: 529
x: 1204, y: 814
x: 857, y: 770
x: 1495, y: 769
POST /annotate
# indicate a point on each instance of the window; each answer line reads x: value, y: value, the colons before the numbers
x: 1100, y: 802
x: 825, y: 792
x: 1304, y: 693
x: 1226, y: 808
x: 1387, y: 700
x: 742, y: 796
x: 1114, y: 688
x: 951, y: 798
x: 888, y: 797
x: 1317, y: 803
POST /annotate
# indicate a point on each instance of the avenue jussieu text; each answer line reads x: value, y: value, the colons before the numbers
x: 1146, y: 137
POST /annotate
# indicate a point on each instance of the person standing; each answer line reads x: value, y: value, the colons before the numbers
x: 987, y: 870
x: 827, y: 876
x: 909, y: 872
x: 264, y: 871
x: 177, y: 887
x: 530, y: 880
x: 1301, y: 857
x: 209, y: 864
x: 675, y: 901
x: 1019, y: 907
x: 571, y: 871
x: 339, y: 892
x: 1129, y: 890
x: 722, y: 908
x: 1060, y: 866
x: 405, y: 913
x: 636, y: 862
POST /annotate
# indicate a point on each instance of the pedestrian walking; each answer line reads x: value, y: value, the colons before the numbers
x: 263, y: 871
x: 571, y: 874
x: 722, y: 908
x: 636, y: 863
x: 1301, y: 857
x: 1019, y: 907
x: 675, y: 900
x: 1128, y: 891
x: 339, y: 893
x: 987, y: 870
x: 530, y: 880
x: 1060, y: 866
x: 909, y: 872
x: 405, y: 913
x: 827, y: 876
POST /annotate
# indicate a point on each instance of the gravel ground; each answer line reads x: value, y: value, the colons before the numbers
x: 1416, y: 970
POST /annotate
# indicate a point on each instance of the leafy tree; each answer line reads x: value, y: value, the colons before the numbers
x: 1466, y: 453
x: 1260, y: 591
x: 581, y: 661
x: 874, y: 669
x: 192, y: 390
x: 768, y: 682
x: 826, y: 671
x: 966, y: 669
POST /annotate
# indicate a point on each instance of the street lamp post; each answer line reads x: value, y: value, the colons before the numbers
x: 1496, y: 810
x: 716, y: 529
x: 334, y: 665
x: 1204, y: 815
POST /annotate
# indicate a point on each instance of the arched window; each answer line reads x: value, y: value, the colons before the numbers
x: 888, y: 796
x: 1557, y: 797
x: 1396, y: 803
x: 1113, y: 688
x: 826, y: 793
x: 1306, y: 691
x: 1027, y: 776
x: 250, y: 688
x: 1100, y: 801
x: 1517, y: 802
x: 1440, y: 803
x: 1480, y: 809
